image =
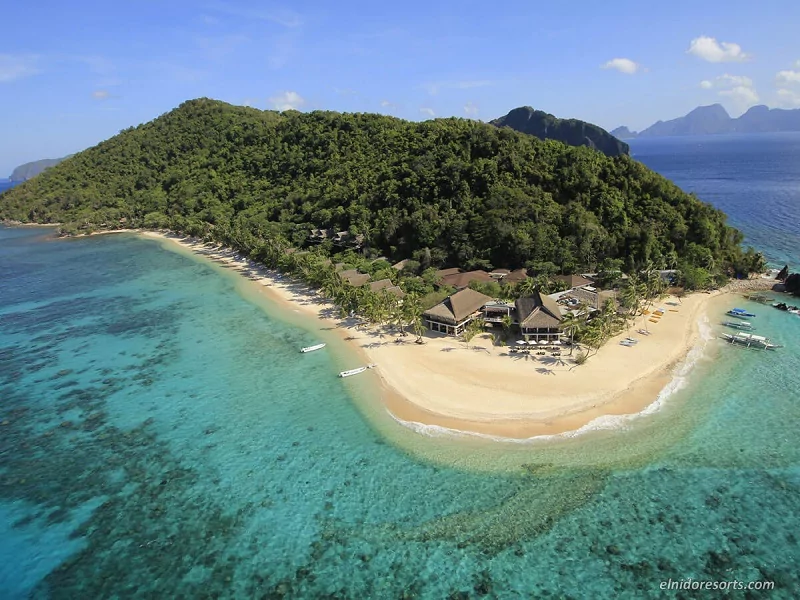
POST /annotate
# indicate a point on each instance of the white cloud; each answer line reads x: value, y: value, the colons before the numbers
x: 15, y: 66
x: 797, y: 64
x: 427, y: 111
x: 100, y: 94
x: 788, y: 99
x: 738, y: 88
x: 743, y: 97
x: 709, y: 49
x: 287, y: 101
x: 470, y: 109
x: 784, y: 78
x: 623, y: 65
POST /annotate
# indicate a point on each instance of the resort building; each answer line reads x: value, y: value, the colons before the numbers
x: 539, y: 317
x: 462, y: 280
x: 354, y: 278
x: 516, y: 276
x: 456, y: 312
x: 387, y: 286
x: 574, y: 281
x: 499, y: 274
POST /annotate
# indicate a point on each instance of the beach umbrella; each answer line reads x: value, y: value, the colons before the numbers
x: 521, y: 342
x: 543, y: 342
x: 532, y: 342
x: 556, y: 342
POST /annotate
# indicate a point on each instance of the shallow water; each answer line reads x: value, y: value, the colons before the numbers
x: 161, y: 434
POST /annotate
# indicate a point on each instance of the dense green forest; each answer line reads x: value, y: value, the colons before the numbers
x: 447, y: 192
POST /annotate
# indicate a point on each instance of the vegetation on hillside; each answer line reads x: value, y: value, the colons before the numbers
x: 443, y: 192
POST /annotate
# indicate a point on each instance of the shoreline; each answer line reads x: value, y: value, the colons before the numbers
x: 480, y: 390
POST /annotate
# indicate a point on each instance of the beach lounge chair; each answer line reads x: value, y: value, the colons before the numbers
x: 644, y: 332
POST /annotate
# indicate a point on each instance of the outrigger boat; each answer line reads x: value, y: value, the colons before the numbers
x: 312, y: 348
x: 740, y: 313
x: 356, y: 371
x: 746, y: 325
x: 750, y: 340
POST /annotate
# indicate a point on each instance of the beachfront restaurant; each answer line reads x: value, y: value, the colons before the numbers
x: 456, y: 312
x: 539, y: 318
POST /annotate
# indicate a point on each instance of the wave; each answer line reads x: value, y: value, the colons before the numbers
x: 679, y: 381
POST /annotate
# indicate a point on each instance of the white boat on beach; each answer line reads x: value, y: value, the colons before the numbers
x: 312, y: 348
x: 356, y: 371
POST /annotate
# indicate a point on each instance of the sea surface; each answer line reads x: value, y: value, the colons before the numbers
x: 6, y: 184
x: 161, y: 436
x: 753, y: 178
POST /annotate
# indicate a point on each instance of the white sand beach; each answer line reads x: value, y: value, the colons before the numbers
x: 481, y: 388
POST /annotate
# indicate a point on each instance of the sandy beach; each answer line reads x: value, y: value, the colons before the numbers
x: 480, y: 388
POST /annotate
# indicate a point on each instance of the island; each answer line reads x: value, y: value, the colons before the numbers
x: 569, y: 131
x: 32, y: 169
x: 715, y: 120
x: 508, y: 260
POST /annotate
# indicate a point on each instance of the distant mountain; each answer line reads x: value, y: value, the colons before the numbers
x: 32, y: 169
x: 623, y: 133
x: 714, y: 120
x: 569, y: 131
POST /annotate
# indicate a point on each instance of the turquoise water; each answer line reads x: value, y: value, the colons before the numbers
x: 160, y: 436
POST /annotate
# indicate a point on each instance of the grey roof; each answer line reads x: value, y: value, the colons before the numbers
x: 537, y: 311
x: 458, y: 307
x: 396, y: 291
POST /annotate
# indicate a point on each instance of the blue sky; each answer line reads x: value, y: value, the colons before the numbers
x: 75, y: 73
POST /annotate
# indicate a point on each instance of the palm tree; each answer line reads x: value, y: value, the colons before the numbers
x: 506, y: 322
x: 573, y: 324
x: 412, y: 313
x: 526, y: 287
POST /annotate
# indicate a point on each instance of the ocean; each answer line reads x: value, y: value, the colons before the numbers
x: 754, y: 179
x: 161, y: 436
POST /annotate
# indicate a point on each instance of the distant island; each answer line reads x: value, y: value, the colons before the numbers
x: 569, y: 131
x: 715, y: 120
x: 32, y: 169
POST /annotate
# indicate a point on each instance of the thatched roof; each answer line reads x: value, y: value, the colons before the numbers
x: 573, y: 281
x: 457, y: 307
x: 348, y: 273
x: 400, y: 265
x: 358, y: 280
x: 446, y: 272
x: 396, y: 291
x: 462, y: 280
x: 500, y: 272
x: 537, y: 311
x: 516, y: 276
x: 377, y: 286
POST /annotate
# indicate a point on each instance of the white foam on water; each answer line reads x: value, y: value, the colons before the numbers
x: 604, y: 423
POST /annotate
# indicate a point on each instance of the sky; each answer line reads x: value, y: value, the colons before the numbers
x: 75, y: 73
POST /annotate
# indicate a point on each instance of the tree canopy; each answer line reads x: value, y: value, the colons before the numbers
x: 443, y: 192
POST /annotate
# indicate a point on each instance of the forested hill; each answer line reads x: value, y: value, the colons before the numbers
x: 447, y: 191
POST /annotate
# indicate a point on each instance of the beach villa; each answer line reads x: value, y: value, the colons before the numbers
x: 456, y: 312
x: 539, y: 317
